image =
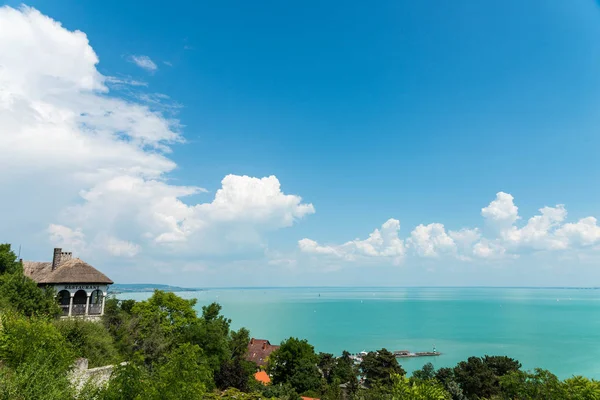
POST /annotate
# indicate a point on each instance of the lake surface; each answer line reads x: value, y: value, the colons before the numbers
x: 556, y: 329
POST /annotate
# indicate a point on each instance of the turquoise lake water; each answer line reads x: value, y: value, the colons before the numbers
x: 556, y: 329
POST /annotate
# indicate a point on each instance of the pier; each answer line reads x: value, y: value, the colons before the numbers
x: 407, y: 354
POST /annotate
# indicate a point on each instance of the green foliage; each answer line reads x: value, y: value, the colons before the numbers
x: 476, y: 378
x: 501, y: 365
x: 36, y: 359
x: 580, y: 388
x: 540, y: 384
x: 172, y: 313
x: 129, y: 381
x: 117, y: 321
x: 378, y: 367
x: 8, y: 259
x: 234, y: 394
x: 183, y: 376
x: 425, y: 373
x: 326, y: 363
x: 479, y: 377
x: 295, y: 362
x: 90, y: 340
x: 283, y: 391
x: 20, y: 293
x: 211, y: 333
x: 429, y: 389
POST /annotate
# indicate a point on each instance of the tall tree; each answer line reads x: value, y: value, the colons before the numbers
x: 8, y: 259
x: 295, y: 362
x: 20, y: 293
x: 378, y: 367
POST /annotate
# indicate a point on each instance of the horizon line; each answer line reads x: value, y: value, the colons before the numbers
x: 363, y: 287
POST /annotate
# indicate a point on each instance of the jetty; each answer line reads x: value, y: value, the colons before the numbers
x: 357, y: 358
x: 407, y: 354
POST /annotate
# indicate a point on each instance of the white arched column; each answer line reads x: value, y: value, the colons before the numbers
x: 103, y: 301
x: 71, y: 295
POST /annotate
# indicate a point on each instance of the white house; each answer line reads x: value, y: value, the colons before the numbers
x: 81, y: 288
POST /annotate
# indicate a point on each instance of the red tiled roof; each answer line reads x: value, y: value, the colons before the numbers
x: 262, y: 377
x: 259, y: 350
x: 308, y: 398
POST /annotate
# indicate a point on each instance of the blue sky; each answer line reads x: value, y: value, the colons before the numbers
x: 415, y: 111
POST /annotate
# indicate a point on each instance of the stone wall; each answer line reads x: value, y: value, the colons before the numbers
x: 81, y: 374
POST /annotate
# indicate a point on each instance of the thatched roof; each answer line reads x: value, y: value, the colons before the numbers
x: 36, y: 270
x: 71, y: 271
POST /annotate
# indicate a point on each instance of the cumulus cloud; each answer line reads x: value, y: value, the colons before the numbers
x: 431, y: 240
x: 382, y: 243
x: 544, y: 232
x: 91, y: 169
x: 144, y: 62
x: 501, y: 212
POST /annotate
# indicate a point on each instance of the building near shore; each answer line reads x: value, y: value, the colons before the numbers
x: 259, y: 351
x: 81, y: 288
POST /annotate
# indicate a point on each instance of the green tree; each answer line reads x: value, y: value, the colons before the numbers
x: 117, y: 320
x: 8, y: 259
x: 326, y: 364
x: 295, y: 362
x: 20, y: 293
x: 541, y: 384
x: 236, y: 372
x: 158, y: 323
x: 425, y: 373
x: 211, y: 333
x: 170, y: 311
x: 378, y: 367
x: 501, y: 365
x: 476, y: 378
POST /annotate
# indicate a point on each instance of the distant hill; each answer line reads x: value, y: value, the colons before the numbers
x: 146, y: 287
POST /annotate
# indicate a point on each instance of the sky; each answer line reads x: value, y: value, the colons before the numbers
x: 237, y: 144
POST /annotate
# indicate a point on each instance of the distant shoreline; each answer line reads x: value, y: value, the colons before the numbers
x: 118, y: 288
x: 149, y: 287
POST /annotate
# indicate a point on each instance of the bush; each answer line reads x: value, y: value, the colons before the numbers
x: 90, y: 340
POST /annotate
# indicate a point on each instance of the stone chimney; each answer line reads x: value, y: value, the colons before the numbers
x: 56, y: 258
x: 252, y: 341
x: 264, y: 346
x: 60, y: 257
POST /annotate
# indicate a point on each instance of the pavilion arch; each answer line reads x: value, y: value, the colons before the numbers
x: 79, y: 302
x: 96, y: 300
x: 64, y: 300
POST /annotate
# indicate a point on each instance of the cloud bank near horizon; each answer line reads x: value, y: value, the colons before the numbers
x: 546, y: 231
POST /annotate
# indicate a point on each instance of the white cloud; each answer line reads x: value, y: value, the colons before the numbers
x: 501, y: 212
x: 117, y: 82
x: 121, y: 248
x: 64, y: 236
x: 382, y: 243
x: 585, y: 232
x: 92, y: 169
x: 538, y: 233
x: 431, y: 240
x: 144, y: 62
x: 464, y: 240
x: 544, y: 232
x: 488, y: 249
